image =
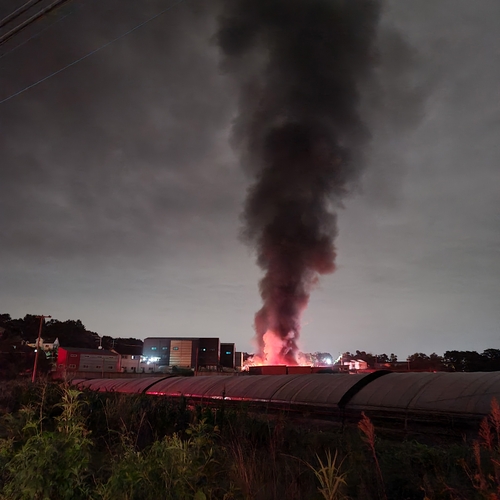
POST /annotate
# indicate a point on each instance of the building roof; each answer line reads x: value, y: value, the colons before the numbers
x: 442, y: 393
x: 83, y: 350
x: 445, y: 392
x: 128, y: 350
x: 181, y: 338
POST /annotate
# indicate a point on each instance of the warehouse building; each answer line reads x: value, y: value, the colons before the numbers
x: 183, y: 352
x: 227, y: 356
x: 75, y: 359
x: 130, y: 358
x: 238, y: 360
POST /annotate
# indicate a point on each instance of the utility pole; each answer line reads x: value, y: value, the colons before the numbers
x: 102, y: 357
x: 37, y: 351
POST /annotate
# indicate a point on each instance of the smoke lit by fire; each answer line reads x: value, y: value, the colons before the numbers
x: 298, y: 64
x: 274, y: 345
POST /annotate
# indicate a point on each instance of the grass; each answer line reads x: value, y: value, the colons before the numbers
x: 331, y: 479
x: 368, y: 435
x: 59, y: 443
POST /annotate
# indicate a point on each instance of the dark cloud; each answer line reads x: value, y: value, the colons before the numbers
x: 104, y: 157
x: 120, y: 196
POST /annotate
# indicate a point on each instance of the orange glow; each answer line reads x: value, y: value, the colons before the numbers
x: 273, y: 345
x: 271, y: 355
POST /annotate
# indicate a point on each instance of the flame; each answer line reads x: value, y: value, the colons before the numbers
x: 274, y: 345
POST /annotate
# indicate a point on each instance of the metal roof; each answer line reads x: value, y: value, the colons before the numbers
x: 189, y: 387
x: 449, y: 393
x: 126, y: 385
x: 441, y: 392
x: 319, y: 389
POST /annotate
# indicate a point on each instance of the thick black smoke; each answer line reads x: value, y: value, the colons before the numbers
x: 299, y: 65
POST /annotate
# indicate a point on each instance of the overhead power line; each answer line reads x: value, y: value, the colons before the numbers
x: 91, y: 53
x: 78, y: 6
x: 31, y: 20
x: 36, y: 35
x: 18, y: 12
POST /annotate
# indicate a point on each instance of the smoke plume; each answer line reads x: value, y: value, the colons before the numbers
x: 299, y: 65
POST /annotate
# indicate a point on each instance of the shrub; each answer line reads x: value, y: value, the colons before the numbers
x: 51, y: 464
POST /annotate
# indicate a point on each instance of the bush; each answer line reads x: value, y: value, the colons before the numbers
x: 63, y: 444
x: 50, y: 464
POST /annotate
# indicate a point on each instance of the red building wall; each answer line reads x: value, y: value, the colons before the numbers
x: 67, y: 360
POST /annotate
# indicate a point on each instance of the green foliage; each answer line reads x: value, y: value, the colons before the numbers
x: 471, y: 361
x: 421, y: 361
x: 6, y: 453
x: 484, y: 470
x: 50, y: 464
x: 173, y: 468
x: 63, y: 444
x: 329, y: 476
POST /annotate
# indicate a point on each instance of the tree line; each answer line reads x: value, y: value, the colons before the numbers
x: 456, y: 361
x: 18, y: 358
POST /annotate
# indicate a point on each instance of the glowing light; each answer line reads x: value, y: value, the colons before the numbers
x: 274, y: 346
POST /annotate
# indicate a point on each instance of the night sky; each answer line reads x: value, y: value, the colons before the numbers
x: 121, y: 195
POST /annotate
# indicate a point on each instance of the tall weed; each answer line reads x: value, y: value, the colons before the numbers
x: 51, y: 464
x: 330, y: 477
x: 173, y: 468
x: 484, y: 472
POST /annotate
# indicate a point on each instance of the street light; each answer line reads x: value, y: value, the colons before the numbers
x: 37, y: 350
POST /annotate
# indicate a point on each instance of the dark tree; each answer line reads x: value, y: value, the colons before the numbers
x: 382, y: 358
x: 464, y: 361
x: 421, y: 361
x: 366, y: 356
x: 71, y: 334
x: 491, y: 360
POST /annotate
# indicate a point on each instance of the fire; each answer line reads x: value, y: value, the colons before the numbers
x: 274, y: 346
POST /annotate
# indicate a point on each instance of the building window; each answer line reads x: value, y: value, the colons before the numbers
x: 72, y: 366
x: 73, y: 355
x: 124, y: 357
x: 110, y: 367
x: 176, y: 348
x: 61, y: 366
x: 164, y: 348
x: 85, y: 366
x: 228, y: 352
x: 204, y: 349
x: 132, y: 357
x: 153, y: 348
